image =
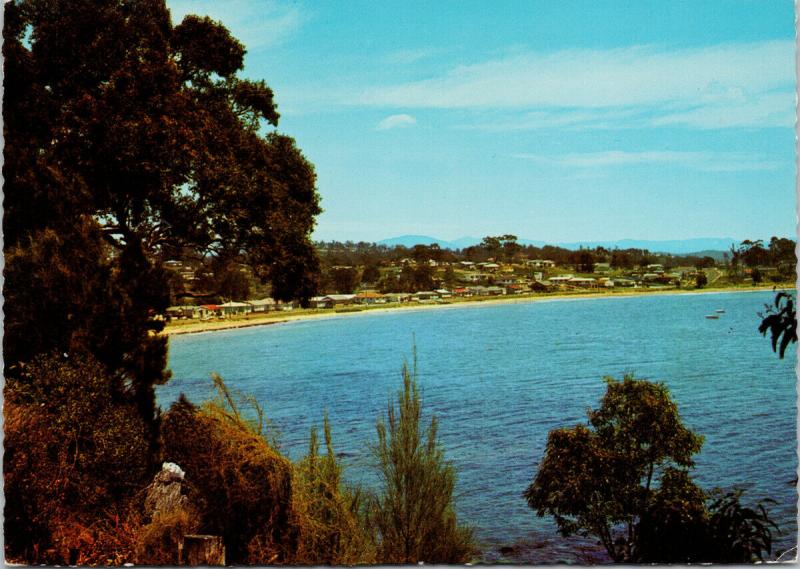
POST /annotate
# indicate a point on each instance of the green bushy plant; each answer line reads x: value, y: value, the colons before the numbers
x: 414, y: 513
x: 330, y: 517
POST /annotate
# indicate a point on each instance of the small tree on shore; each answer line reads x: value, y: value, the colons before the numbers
x: 414, y: 515
x: 624, y: 478
x: 701, y: 280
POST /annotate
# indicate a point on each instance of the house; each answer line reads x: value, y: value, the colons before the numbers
x: 585, y: 282
x: 369, y: 297
x: 514, y: 289
x: 320, y: 302
x: 602, y: 267
x: 466, y: 264
x: 235, y: 308
x: 397, y: 296
x: 655, y: 268
x: 210, y: 310
x: 473, y: 277
x: 186, y: 311
x: 540, y: 263
x: 443, y: 293
x: 461, y: 291
x: 495, y: 290
x: 341, y: 299
x: 542, y: 286
x: 624, y: 282
x: 563, y: 279
x: 263, y: 305
x: 424, y: 295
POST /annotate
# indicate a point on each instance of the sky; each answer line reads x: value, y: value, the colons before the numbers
x: 557, y: 121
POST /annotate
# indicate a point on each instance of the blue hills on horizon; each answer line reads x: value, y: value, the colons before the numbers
x: 673, y: 246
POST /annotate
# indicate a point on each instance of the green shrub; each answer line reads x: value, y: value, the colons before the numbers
x: 330, y: 518
x: 414, y: 514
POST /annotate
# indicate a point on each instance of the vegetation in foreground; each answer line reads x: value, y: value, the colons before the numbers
x: 84, y: 502
x: 624, y: 478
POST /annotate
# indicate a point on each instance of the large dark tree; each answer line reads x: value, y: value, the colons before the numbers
x: 128, y: 139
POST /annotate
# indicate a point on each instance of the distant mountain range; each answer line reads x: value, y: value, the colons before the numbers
x: 711, y: 246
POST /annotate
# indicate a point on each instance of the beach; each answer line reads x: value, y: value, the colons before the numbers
x: 278, y: 317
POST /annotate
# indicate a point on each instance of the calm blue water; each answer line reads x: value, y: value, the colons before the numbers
x: 499, y: 377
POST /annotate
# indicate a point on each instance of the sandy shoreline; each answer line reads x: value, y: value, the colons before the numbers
x: 283, y: 317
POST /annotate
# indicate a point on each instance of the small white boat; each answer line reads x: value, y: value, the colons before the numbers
x: 720, y: 310
x: 712, y: 316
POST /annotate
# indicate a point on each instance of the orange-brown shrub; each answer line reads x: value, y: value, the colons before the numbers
x: 240, y: 484
x: 158, y: 542
x: 72, y: 452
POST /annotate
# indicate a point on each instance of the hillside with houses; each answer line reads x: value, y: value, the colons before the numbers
x: 363, y: 275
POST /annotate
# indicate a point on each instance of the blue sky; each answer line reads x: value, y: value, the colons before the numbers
x: 560, y: 121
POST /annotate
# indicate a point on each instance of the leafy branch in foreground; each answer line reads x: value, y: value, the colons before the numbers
x: 780, y: 320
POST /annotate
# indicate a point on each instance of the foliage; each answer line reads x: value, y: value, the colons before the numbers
x: 700, y: 280
x: 332, y: 528
x: 597, y: 479
x: 414, y: 514
x: 128, y: 139
x: 159, y: 541
x: 343, y: 280
x: 371, y: 274
x: 71, y: 451
x: 780, y: 320
x: 241, y: 485
x: 624, y: 478
x: 583, y: 261
x: 232, y: 284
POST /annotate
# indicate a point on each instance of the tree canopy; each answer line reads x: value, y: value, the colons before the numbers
x: 624, y: 478
x: 128, y: 139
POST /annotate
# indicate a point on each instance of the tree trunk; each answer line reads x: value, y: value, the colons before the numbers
x: 202, y: 550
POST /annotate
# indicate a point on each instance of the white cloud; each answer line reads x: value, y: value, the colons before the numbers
x: 704, y: 161
x: 409, y: 56
x: 397, y: 121
x: 256, y: 25
x: 696, y: 87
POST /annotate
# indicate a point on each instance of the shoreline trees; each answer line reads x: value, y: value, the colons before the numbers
x: 625, y: 479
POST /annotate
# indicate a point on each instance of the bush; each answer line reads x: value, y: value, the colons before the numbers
x: 414, y: 514
x: 240, y: 484
x: 159, y: 541
x: 624, y: 478
x: 332, y: 528
x: 72, y: 452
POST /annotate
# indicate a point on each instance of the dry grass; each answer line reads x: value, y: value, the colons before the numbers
x: 240, y: 484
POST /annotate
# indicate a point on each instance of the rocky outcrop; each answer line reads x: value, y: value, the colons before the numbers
x: 164, y: 493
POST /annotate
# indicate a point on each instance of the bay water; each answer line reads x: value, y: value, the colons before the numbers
x: 500, y: 376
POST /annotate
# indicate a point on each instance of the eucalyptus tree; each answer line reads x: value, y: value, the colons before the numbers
x: 128, y: 139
